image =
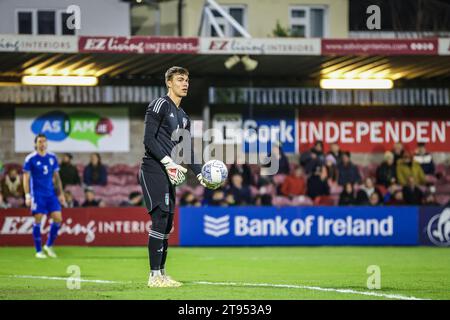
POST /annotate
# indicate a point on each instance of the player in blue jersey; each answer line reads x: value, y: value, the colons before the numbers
x: 40, y: 179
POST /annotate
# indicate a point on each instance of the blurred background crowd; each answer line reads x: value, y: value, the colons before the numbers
x: 404, y: 177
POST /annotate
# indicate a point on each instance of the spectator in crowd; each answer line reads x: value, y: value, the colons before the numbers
x: 365, y: 191
x: 218, y: 198
x: 11, y: 185
x: 90, y: 200
x: 70, y: 200
x: 429, y: 199
x: 396, y: 199
x: 407, y: 167
x: 264, y: 178
x: 263, y: 200
x: 278, y: 154
x: 336, y: 152
x: 309, y: 160
x: 387, y: 170
x: 330, y: 164
x: 375, y: 199
x: 391, y: 189
x: 68, y: 172
x: 317, y: 184
x: 411, y: 193
x: 188, y: 200
x: 3, y: 203
x: 294, y: 184
x: 347, y: 171
x: 347, y: 196
x: 207, y: 196
x: 229, y: 200
x: 241, y: 193
x: 244, y: 170
x: 95, y: 172
x: 398, y: 151
x: 424, y: 159
x: 135, y: 199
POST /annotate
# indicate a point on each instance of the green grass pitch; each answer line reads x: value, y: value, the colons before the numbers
x: 419, y: 272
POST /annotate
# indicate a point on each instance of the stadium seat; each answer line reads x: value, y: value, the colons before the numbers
x: 278, y: 179
x: 431, y: 179
x: 12, y: 165
x: 198, y: 191
x: 16, y: 202
x: 381, y: 188
x: 302, y: 201
x: 443, y: 188
x: 335, y: 188
x: 254, y: 191
x: 325, y: 201
x: 280, y: 201
x: 442, y: 199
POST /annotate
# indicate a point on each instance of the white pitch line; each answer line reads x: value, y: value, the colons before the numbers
x: 63, y: 279
x: 291, y: 286
x: 243, y: 284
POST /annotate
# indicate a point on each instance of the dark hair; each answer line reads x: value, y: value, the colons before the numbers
x: 89, y: 189
x: 40, y: 135
x: 99, y: 157
x: 175, y: 70
x: 69, y: 155
x: 133, y: 195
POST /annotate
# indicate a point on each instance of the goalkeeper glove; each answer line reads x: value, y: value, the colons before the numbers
x: 174, y: 171
x: 206, y: 184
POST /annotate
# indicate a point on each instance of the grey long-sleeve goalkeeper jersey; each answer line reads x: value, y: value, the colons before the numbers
x: 163, y: 118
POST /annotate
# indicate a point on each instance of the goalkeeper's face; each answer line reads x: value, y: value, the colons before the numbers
x: 179, y: 84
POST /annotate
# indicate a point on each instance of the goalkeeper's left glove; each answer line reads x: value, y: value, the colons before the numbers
x: 174, y: 171
x: 206, y: 184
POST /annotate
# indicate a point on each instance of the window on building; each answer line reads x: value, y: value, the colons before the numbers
x: 308, y: 21
x: 64, y: 29
x: 46, y: 22
x: 238, y: 12
x: 52, y: 22
x: 25, y: 22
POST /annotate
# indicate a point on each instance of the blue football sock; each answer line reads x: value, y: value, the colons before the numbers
x: 37, y: 236
x: 53, y: 233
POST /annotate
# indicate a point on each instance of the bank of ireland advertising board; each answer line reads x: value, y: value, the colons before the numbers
x: 265, y: 226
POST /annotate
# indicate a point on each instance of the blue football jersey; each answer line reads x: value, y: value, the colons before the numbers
x: 41, y: 169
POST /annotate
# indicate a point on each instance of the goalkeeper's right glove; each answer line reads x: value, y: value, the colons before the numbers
x: 174, y: 171
x: 206, y: 184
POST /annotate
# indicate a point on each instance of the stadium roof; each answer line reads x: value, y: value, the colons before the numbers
x: 126, y: 60
x: 109, y: 66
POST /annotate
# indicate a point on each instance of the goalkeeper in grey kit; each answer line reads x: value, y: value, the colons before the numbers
x: 159, y: 174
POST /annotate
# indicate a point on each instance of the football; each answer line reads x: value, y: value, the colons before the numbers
x: 215, y: 172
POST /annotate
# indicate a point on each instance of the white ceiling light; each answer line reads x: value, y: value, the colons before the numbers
x: 59, y: 81
x: 249, y: 63
x: 231, y: 62
x: 356, y: 84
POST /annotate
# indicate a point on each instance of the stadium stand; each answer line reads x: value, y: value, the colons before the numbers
x: 123, y: 180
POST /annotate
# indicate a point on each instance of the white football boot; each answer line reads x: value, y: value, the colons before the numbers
x: 40, y: 255
x: 50, y: 252
x: 170, y: 282
x: 156, y: 281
